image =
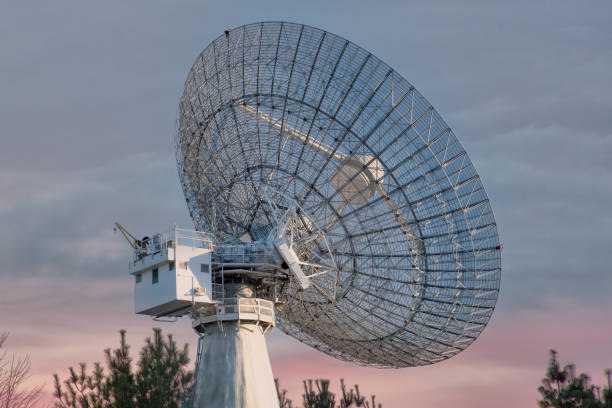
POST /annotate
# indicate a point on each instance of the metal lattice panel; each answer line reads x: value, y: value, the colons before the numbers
x: 279, y: 116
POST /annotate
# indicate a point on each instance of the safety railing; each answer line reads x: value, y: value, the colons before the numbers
x: 171, y: 238
x: 242, y: 309
x: 242, y: 254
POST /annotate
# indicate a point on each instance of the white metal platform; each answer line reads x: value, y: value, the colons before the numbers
x: 254, y: 310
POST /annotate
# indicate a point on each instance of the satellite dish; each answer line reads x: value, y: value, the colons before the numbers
x: 330, y: 199
x: 290, y: 133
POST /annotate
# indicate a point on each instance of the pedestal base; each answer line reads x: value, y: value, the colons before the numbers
x: 234, y: 370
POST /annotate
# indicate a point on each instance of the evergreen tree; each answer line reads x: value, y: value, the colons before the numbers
x: 284, y: 402
x: 317, y: 395
x: 562, y: 388
x: 606, y: 396
x: 321, y: 398
x: 121, y: 380
x: 161, y: 381
x: 349, y: 398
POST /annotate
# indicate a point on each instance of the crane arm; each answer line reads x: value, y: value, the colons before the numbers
x: 131, y: 239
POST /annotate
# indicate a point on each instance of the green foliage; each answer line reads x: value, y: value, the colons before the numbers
x: 317, y: 395
x: 161, y: 381
x: 321, y: 398
x: 349, y: 398
x: 562, y: 388
x: 121, y: 382
x: 284, y: 402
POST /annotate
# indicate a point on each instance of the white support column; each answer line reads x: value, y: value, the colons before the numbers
x: 235, y: 369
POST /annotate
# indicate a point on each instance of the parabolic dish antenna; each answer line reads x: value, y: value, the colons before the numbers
x: 291, y: 135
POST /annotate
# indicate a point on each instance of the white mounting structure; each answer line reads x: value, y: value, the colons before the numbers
x: 182, y: 272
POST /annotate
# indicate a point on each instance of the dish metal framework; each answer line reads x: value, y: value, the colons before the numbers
x: 405, y: 272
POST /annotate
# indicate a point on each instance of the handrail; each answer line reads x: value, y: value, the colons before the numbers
x: 171, y: 238
x: 246, y: 305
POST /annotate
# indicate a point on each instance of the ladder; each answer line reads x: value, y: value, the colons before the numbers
x: 194, y: 387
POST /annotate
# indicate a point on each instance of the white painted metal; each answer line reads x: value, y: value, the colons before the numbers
x: 293, y: 262
x: 173, y: 273
x: 303, y: 137
x: 234, y: 369
x: 236, y: 309
x: 182, y: 279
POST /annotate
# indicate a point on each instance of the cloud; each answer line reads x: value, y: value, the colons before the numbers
x: 65, y: 290
x: 550, y: 194
x: 61, y: 224
x: 503, y: 368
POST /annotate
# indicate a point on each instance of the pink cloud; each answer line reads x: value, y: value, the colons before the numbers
x: 503, y: 368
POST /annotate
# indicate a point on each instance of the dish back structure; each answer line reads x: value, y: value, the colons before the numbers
x: 288, y: 128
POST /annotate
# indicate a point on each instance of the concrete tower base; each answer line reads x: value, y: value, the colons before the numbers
x: 234, y: 370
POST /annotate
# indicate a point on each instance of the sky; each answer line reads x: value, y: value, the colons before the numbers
x: 88, y: 101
